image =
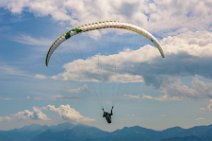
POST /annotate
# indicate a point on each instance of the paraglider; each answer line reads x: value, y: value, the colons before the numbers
x: 107, y: 115
x: 102, y: 25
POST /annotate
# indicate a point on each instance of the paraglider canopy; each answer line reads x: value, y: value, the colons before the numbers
x: 102, y: 25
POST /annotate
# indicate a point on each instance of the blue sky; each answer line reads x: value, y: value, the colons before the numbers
x: 107, y: 67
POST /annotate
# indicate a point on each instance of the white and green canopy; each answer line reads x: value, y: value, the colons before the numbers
x: 102, y: 25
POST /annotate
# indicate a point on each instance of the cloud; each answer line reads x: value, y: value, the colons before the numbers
x: 15, y: 71
x: 175, y: 89
x: 178, y: 89
x: 40, y: 76
x: 200, y: 118
x: 36, y: 98
x: 187, y: 54
x: 200, y: 88
x: 81, y: 89
x: 154, y: 15
x: 29, y: 40
x: 10, y: 70
x: 157, y: 98
x: 112, y: 68
x: 209, y: 107
x: 38, y: 114
x: 203, y: 87
x: 35, y: 114
x: 5, y: 98
x: 66, y: 112
x: 38, y: 7
x: 56, y: 97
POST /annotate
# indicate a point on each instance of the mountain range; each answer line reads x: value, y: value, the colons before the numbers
x: 72, y: 132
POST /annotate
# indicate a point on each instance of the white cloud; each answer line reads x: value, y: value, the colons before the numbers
x: 66, y: 112
x: 110, y: 69
x: 207, y: 108
x: 40, y: 76
x: 53, y: 8
x: 15, y: 71
x: 10, y: 70
x: 35, y: 114
x: 155, y: 15
x: 204, y: 88
x: 174, y: 89
x: 37, y: 98
x: 38, y: 114
x: 81, y: 89
x: 178, y: 89
x: 200, y: 88
x: 193, y: 43
x: 56, y: 97
x: 5, y: 98
x: 157, y: 98
x: 126, y: 78
x: 29, y: 40
x: 200, y: 118
x: 185, y: 54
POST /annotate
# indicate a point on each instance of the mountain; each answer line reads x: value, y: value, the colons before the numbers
x: 78, y: 132
x: 23, y: 134
x: 73, y: 132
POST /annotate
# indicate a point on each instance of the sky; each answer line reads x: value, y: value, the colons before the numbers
x: 106, y: 67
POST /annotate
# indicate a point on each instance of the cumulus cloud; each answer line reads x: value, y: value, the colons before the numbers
x: 187, y: 54
x: 175, y: 89
x: 90, y: 70
x: 66, y: 112
x: 154, y: 15
x: 38, y: 114
x: 35, y: 114
x: 200, y: 88
x: 38, y: 7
